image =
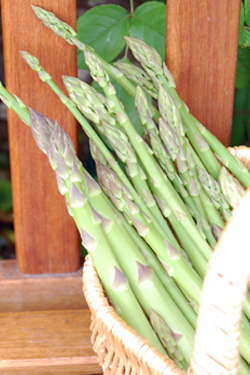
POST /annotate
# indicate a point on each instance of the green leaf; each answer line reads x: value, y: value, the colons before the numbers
x: 241, y: 119
x: 103, y: 28
x: 244, y: 37
x: 149, y: 25
x: 247, y: 11
x: 243, y: 68
x: 242, y: 14
x: 244, y: 34
x: 5, y: 196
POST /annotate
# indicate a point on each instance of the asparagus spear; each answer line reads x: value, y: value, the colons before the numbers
x: 225, y: 157
x: 61, y: 154
x: 168, y: 338
x: 62, y: 188
x: 139, y: 76
x: 145, y: 154
x: 144, y: 282
x: 231, y: 188
x: 212, y: 188
x: 15, y: 103
x: 66, y: 32
x: 152, y: 63
x: 44, y: 76
x: 87, y: 100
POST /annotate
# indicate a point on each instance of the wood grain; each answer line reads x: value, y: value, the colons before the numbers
x: 47, y: 342
x: 46, y: 238
x: 201, y: 53
x: 21, y: 292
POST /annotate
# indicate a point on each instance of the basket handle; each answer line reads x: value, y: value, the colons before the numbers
x: 216, y: 348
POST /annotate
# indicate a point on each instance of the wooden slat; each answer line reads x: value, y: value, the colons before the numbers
x: 21, y: 292
x: 201, y: 53
x: 46, y: 238
x: 47, y: 342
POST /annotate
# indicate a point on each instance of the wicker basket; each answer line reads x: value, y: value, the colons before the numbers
x: 216, y: 350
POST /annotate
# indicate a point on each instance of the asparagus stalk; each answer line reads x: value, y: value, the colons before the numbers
x: 66, y: 32
x: 62, y: 189
x: 139, y: 76
x: 213, y: 190
x: 145, y: 154
x: 87, y: 100
x: 61, y: 154
x: 152, y: 63
x: 145, y: 284
x: 168, y: 338
x: 99, y: 202
x: 93, y: 192
x: 171, y: 258
x: 225, y: 157
x: 231, y: 188
x: 44, y: 76
x: 15, y: 103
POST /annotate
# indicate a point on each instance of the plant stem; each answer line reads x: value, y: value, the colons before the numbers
x: 131, y: 8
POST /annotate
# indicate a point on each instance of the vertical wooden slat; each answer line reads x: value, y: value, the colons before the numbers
x: 46, y: 237
x: 201, y: 53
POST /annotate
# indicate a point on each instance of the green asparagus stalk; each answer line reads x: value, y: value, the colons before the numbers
x: 145, y: 154
x: 171, y: 258
x: 230, y: 187
x: 87, y: 100
x: 152, y: 63
x: 44, y: 76
x: 139, y: 76
x: 93, y: 192
x: 63, y: 172
x: 168, y: 338
x: 213, y: 190
x: 231, y: 162
x: 67, y: 33
x: 15, y: 103
x: 70, y: 179
x: 100, y: 203
x: 145, y: 284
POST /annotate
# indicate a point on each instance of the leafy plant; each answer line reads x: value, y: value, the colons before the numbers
x: 105, y: 26
x: 241, y: 119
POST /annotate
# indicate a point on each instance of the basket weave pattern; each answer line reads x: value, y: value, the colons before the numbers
x: 216, y: 350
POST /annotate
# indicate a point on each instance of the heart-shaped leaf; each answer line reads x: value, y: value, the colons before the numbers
x: 103, y: 28
x: 149, y: 24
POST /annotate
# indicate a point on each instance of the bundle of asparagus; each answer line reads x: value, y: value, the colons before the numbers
x: 151, y: 223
